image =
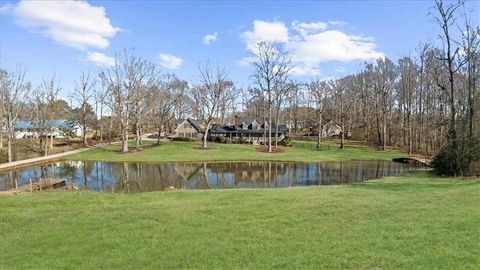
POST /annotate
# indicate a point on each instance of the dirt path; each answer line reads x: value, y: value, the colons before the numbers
x: 30, y: 161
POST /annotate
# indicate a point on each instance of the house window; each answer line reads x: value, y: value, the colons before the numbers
x: 194, y: 135
x: 181, y: 134
x: 187, y: 135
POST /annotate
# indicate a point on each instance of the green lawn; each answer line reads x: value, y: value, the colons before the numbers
x: 403, y: 222
x: 184, y: 151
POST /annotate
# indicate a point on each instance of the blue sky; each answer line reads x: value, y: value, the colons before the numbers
x: 325, y: 39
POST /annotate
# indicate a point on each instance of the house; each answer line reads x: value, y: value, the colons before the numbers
x: 331, y: 129
x: 248, y: 129
x: 59, y: 128
x: 188, y: 128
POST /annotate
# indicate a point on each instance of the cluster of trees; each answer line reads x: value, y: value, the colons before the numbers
x: 425, y: 102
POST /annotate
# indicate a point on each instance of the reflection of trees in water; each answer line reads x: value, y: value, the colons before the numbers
x: 133, y: 177
x: 245, y: 174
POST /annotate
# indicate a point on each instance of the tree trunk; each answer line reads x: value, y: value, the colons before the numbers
x: 205, y: 136
x: 276, y: 128
x: 84, y: 130
x: 320, y: 130
x: 51, y: 138
x: 269, y: 127
x: 342, y: 137
x: 125, y: 139
x: 137, y: 135
x: 384, y: 146
x: 101, y: 123
x: 9, y: 147
x: 159, y: 133
x: 46, y: 145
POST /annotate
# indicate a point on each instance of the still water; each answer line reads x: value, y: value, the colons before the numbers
x: 140, y: 177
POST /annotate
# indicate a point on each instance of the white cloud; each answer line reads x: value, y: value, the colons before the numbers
x: 169, y: 61
x: 265, y: 31
x: 333, y: 45
x: 209, y: 38
x: 73, y: 23
x: 308, y: 28
x: 246, y: 61
x: 311, y: 43
x: 100, y: 59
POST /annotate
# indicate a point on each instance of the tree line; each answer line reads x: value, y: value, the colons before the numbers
x: 426, y: 102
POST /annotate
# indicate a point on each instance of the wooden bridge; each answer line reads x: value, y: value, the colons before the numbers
x: 39, y: 185
x: 414, y: 159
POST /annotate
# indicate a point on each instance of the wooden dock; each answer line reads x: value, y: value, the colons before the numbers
x: 43, y: 184
x: 414, y: 159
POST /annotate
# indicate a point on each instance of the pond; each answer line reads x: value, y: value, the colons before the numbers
x: 140, y: 177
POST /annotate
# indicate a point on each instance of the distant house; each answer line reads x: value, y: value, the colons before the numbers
x: 188, y: 128
x: 60, y: 128
x: 331, y: 129
x: 249, y: 129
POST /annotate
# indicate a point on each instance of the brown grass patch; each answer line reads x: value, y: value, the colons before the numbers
x: 200, y: 147
x: 264, y: 149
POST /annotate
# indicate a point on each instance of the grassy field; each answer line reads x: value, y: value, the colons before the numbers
x: 402, y: 222
x: 184, y: 151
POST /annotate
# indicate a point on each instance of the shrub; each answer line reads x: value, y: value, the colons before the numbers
x: 462, y: 160
x: 182, y: 139
x: 228, y: 140
x: 287, y: 141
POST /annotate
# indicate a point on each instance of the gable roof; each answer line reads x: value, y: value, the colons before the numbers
x: 193, y: 122
x: 180, y: 121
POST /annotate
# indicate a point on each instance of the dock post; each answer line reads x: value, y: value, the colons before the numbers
x: 16, y: 187
x: 31, y: 189
x: 51, y: 184
x: 40, y: 184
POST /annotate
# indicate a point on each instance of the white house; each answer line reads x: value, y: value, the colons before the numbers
x: 60, y: 128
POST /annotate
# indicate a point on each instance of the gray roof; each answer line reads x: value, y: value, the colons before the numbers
x: 195, y: 124
x: 179, y: 121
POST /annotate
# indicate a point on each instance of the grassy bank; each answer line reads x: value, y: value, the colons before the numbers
x: 185, y: 151
x: 403, y: 222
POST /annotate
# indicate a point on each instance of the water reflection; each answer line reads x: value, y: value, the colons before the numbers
x: 135, y: 177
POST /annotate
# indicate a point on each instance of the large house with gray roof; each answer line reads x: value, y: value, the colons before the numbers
x: 248, y: 129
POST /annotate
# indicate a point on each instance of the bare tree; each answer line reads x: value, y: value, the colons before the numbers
x: 14, y: 91
x: 166, y: 95
x: 100, y: 100
x: 124, y: 82
x: 471, y: 48
x: 272, y: 67
x: 45, y: 99
x: 321, y: 91
x: 446, y: 19
x: 343, y: 92
x: 280, y: 94
x: 207, y: 96
x: 385, y: 76
x: 83, y: 92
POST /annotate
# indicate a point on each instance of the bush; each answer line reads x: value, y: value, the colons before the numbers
x: 287, y: 141
x: 228, y: 140
x: 462, y: 160
x: 181, y: 139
